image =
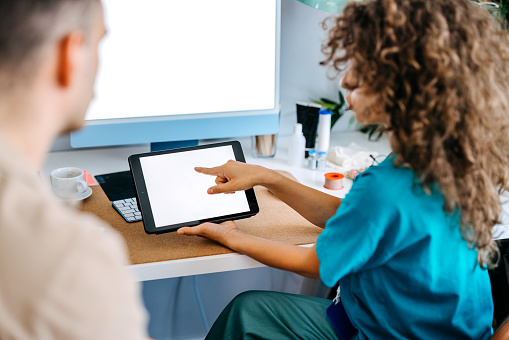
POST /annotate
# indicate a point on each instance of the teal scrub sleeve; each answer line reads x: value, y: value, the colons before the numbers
x: 354, y: 237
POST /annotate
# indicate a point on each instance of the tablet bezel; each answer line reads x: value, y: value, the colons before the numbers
x: 144, y: 202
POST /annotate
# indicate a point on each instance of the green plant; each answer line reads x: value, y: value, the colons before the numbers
x: 504, y: 12
x: 339, y: 108
x: 499, y: 9
x: 372, y: 130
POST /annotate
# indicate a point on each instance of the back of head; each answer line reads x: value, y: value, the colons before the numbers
x: 28, y: 27
x: 439, y: 69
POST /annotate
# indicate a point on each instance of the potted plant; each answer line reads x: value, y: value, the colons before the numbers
x: 498, y: 8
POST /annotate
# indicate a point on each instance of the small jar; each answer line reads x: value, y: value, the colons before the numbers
x: 322, y: 160
x: 312, y: 158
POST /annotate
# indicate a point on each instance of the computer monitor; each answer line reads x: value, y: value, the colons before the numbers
x: 185, y: 70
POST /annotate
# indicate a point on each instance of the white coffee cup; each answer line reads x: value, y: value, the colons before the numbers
x: 68, y: 182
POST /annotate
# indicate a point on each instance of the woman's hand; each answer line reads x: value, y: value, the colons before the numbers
x: 315, y: 206
x: 301, y: 260
x: 222, y: 233
x: 234, y: 176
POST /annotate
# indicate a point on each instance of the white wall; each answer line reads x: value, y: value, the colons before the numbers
x: 302, y: 77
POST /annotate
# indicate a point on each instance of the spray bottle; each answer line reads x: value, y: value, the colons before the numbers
x: 296, y: 147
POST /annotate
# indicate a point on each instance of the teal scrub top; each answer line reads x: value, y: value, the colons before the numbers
x: 404, y: 269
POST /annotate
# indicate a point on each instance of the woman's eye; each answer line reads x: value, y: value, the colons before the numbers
x: 350, y: 86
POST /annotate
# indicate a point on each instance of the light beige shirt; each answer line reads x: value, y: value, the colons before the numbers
x: 61, y: 277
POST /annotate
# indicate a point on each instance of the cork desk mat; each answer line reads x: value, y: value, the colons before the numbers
x: 275, y: 221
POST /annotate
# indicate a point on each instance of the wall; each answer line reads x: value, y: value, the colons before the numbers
x: 302, y: 77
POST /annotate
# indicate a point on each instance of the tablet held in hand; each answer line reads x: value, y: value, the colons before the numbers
x: 171, y: 194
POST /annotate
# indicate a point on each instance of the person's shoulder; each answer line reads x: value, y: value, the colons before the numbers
x: 93, y: 240
x: 97, y: 267
x: 56, y: 258
x: 97, y: 249
x: 384, y: 180
x: 388, y: 171
x: 43, y: 227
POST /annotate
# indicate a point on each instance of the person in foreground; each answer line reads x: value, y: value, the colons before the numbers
x: 61, y: 277
x: 410, y: 243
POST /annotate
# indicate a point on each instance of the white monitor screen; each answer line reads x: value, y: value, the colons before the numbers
x: 178, y: 194
x: 169, y: 57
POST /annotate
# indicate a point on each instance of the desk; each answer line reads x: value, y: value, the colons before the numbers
x: 106, y: 160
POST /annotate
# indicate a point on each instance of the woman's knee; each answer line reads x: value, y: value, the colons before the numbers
x: 256, y: 299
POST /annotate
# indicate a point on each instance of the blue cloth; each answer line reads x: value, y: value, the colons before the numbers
x: 340, y: 321
x: 403, y: 267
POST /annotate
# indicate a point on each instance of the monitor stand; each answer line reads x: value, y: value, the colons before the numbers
x: 119, y: 185
x: 160, y: 146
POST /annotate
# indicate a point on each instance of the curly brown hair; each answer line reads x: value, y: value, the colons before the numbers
x: 441, y: 71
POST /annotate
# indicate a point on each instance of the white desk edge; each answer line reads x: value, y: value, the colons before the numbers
x: 194, y: 266
x: 99, y: 161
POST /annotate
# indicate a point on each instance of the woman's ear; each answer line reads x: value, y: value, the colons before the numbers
x: 68, y: 57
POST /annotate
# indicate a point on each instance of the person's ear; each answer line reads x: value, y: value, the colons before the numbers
x: 68, y: 59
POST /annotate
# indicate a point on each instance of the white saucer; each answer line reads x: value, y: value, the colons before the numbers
x: 81, y: 195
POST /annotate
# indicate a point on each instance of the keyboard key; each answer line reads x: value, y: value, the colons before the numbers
x: 128, y: 209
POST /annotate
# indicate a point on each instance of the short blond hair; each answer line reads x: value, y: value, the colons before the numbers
x: 27, y: 26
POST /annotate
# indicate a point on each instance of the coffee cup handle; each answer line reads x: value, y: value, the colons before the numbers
x: 81, y: 186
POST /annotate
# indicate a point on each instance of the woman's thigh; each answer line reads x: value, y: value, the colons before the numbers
x: 273, y: 315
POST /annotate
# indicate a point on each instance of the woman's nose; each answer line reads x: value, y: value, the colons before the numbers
x: 349, y: 99
x: 342, y: 82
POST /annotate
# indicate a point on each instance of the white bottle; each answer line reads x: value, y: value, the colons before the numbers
x: 296, y: 146
x: 324, y: 121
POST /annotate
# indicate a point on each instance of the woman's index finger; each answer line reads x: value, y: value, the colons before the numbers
x: 206, y: 171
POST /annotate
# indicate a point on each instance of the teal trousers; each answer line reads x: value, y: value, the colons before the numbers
x: 273, y: 315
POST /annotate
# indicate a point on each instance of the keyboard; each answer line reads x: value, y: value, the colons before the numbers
x: 128, y: 209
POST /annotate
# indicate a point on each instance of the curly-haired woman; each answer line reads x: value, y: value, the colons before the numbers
x: 411, y: 242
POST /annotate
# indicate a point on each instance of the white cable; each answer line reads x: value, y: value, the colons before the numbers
x: 200, y: 304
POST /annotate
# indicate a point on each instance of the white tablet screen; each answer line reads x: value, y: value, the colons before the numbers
x: 178, y: 194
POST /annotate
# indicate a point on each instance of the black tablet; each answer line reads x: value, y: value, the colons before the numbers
x: 171, y: 194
